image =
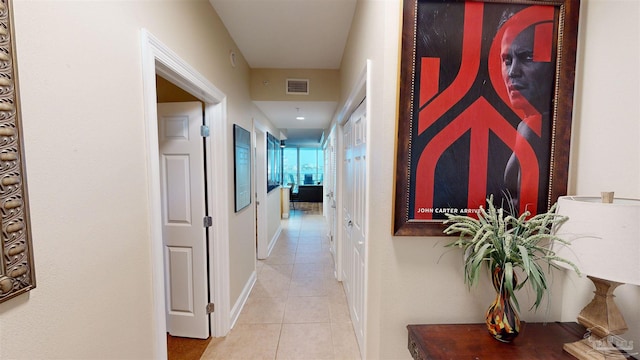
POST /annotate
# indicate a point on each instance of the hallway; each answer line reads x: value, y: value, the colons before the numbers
x: 296, y: 310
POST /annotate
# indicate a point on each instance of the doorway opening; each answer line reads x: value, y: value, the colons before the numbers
x: 158, y: 59
x: 185, y: 216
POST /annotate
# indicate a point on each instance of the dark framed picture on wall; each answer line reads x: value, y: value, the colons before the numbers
x: 242, y: 167
x: 274, y: 159
x: 485, y: 108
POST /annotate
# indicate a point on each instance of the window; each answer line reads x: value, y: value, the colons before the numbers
x: 302, y: 166
x: 290, y: 165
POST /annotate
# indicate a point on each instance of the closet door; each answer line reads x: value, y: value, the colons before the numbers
x: 354, y: 212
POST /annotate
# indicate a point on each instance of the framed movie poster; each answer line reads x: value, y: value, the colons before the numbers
x: 242, y: 167
x: 485, y: 107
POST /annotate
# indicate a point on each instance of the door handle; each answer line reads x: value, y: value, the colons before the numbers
x: 350, y: 223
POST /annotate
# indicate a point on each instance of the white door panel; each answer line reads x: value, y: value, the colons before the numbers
x: 359, y: 234
x: 180, y: 268
x: 260, y: 166
x: 330, y: 206
x: 354, y: 206
x: 183, y: 210
x: 178, y: 204
x: 347, y: 210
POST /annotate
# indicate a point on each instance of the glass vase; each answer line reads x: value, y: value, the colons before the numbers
x: 502, y: 318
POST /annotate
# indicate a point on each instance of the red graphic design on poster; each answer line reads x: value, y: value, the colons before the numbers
x: 484, y: 97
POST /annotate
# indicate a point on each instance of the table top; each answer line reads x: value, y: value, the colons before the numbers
x: 472, y: 341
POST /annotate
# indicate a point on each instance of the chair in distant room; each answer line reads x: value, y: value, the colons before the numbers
x: 308, y: 179
x: 293, y: 196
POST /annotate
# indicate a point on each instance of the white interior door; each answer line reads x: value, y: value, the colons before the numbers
x: 329, y: 206
x: 354, y: 206
x: 183, y: 211
x: 347, y: 211
x: 260, y: 163
x: 358, y: 233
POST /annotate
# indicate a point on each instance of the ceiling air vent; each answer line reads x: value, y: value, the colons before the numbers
x: 298, y: 86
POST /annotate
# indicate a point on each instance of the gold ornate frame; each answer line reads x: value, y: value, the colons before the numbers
x: 17, y: 274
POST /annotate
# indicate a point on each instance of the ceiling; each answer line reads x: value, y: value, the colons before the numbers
x: 291, y: 34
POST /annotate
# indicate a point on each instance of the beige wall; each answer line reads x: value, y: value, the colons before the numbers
x: 409, y: 278
x: 81, y: 91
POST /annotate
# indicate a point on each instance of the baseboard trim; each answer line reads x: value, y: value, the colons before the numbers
x: 274, y: 240
x: 242, y: 299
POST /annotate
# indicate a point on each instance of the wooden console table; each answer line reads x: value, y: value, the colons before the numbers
x: 472, y: 341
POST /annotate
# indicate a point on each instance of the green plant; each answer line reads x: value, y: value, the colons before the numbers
x: 500, y: 240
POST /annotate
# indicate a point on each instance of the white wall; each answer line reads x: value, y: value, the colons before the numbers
x: 81, y: 90
x: 274, y: 210
x: 410, y: 280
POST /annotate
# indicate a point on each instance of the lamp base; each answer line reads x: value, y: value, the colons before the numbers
x: 602, y: 316
x: 604, y: 322
x: 590, y: 349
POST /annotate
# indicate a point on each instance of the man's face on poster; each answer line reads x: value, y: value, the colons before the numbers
x: 528, y: 82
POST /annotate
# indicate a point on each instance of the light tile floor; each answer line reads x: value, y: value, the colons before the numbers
x: 297, y: 309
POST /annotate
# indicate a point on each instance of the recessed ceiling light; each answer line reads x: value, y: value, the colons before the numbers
x: 300, y: 118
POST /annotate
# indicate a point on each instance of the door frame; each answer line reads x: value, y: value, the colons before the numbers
x: 360, y: 91
x: 159, y: 59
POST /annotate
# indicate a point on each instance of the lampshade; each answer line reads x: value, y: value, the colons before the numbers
x: 605, y: 245
x: 605, y: 237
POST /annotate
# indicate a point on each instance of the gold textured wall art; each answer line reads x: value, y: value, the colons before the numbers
x: 17, y: 274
